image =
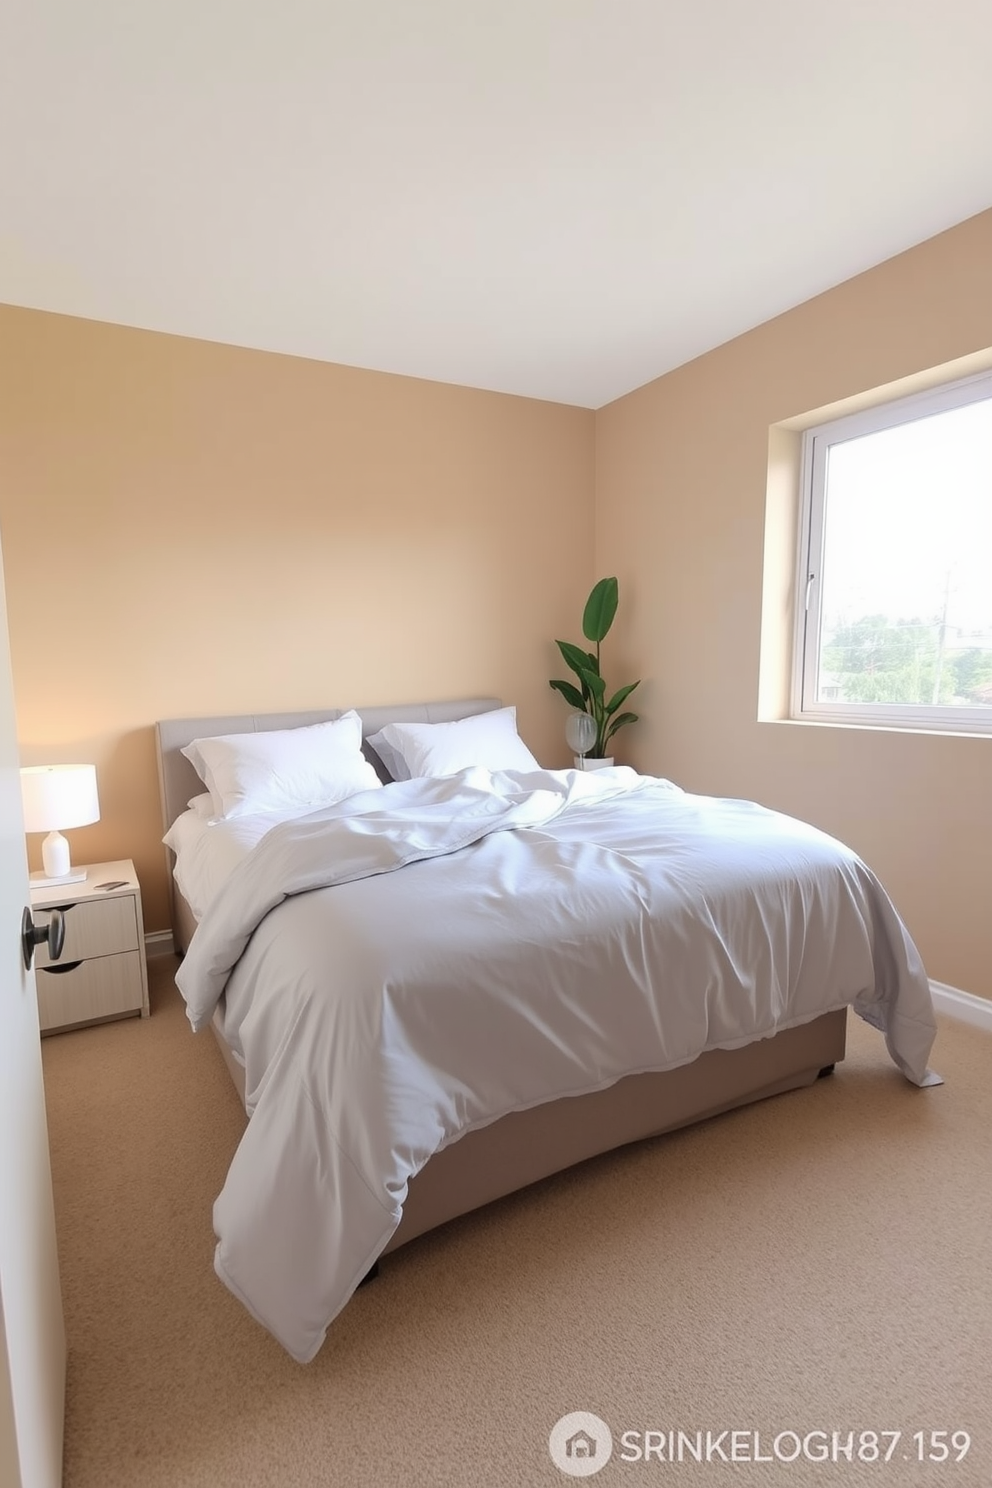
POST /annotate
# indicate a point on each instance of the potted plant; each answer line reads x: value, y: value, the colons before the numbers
x: 597, y: 717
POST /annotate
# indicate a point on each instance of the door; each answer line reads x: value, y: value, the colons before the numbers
x: 32, y: 1336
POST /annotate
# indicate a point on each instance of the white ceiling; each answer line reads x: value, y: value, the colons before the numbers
x: 560, y: 198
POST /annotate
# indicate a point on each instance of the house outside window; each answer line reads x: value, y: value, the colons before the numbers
x: 894, y: 616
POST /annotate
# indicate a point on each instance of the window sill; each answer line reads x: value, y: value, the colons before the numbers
x: 878, y: 727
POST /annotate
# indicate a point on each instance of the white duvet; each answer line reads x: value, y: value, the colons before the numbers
x: 420, y: 960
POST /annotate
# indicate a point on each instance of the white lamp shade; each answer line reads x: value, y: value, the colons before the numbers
x: 57, y: 796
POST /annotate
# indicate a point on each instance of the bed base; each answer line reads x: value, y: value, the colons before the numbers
x: 526, y: 1146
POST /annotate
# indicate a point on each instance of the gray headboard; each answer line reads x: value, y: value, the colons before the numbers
x: 178, y: 781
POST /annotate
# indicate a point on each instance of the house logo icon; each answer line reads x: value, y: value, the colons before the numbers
x: 580, y: 1444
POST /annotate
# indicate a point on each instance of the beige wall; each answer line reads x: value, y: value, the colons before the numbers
x: 682, y: 480
x: 196, y: 528
x: 190, y: 527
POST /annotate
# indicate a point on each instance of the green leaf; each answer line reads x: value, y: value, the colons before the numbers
x: 619, y: 722
x: 601, y: 606
x: 595, y: 684
x: 571, y: 695
x: 618, y: 697
x: 579, y: 661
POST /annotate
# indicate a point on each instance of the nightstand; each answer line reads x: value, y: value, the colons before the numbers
x: 101, y: 973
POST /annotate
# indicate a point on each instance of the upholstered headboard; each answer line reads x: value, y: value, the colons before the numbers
x: 178, y: 781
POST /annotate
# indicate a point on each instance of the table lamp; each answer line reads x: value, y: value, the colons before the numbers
x: 57, y: 796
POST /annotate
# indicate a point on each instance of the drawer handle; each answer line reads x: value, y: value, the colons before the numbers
x: 52, y: 931
x: 63, y: 966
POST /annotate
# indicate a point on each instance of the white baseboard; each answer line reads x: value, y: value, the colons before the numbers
x: 159, y: 943
x: 964, y: 1006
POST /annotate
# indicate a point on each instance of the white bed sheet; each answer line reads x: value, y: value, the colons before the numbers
x: 401, y: 970
x: 207, y: 851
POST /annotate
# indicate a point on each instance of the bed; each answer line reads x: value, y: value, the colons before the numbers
x: 316, y: 960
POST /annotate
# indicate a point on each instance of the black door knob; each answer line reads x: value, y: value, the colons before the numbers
x: 53, y: 931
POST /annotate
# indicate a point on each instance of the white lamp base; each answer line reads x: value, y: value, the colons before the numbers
x: 57, y: 869
x: 42, y: 881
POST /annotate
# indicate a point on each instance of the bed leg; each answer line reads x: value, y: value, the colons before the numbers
x: 370, y: 1274
x: 827, y: 1069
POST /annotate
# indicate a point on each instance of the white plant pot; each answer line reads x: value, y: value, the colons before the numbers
x: 592, y: 764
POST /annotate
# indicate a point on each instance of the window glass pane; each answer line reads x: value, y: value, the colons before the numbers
x: 906, y: 597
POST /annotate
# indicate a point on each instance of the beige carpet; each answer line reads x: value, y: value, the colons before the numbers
x: 818, y: 1262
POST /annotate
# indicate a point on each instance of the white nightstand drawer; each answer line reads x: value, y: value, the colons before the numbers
x: 106, y: 987
x: 101, y: 971
x: 93, y: 927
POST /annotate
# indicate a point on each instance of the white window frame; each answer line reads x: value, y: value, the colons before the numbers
x: 805, y: 671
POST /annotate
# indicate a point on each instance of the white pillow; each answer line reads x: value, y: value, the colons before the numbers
x: 284, y: 769
x: 414, y: 749
x: 203, y: 806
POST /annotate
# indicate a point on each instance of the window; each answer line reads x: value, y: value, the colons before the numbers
x: 894, y: 623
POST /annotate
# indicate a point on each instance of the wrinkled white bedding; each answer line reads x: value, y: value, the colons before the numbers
x: 208, y: 851
x: 418, y: 961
